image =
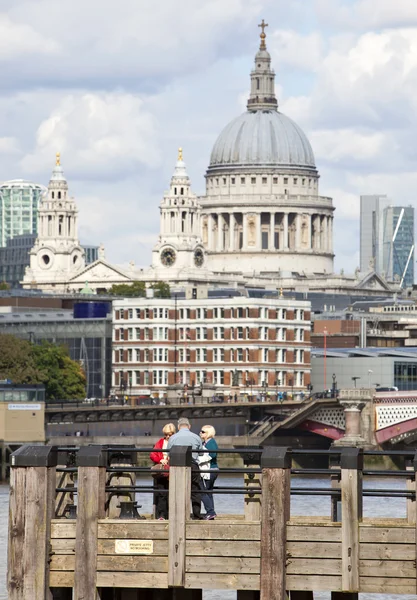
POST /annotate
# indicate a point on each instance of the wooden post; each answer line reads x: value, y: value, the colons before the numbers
x: 351, y: 462
x: 276, y: 482
x: 91, y: 462
x: 411, y: 486
x: 179, y: 512
x: 122, y: 458
x: 252, y: 506
x: 32, y: 502
x: 64, y: 480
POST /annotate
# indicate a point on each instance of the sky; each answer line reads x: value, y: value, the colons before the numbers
x: 117, y: 87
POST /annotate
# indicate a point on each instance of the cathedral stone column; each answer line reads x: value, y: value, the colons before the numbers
x: 298, y: 232
x: 285, y: 230
x: 232, y: 222
x: 245, y: 231
x: 220, y: 226
x: 258, y: 245
x: 325, y: 244
x: 271, y: 244
x: 210, y: 225
x: 330, y: 234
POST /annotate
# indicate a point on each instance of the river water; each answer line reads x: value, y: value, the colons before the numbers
x: 233, y: 504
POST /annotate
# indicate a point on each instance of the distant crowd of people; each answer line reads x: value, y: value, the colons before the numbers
x: 204, y: 468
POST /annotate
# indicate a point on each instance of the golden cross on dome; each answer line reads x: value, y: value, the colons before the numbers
x: 263, y: 34
x: 58, y: 159
x: 180, y: 154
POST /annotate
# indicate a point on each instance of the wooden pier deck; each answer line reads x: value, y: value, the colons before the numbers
x: 263, y: 554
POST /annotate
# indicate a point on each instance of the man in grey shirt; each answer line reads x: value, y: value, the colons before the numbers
x: 185, y: 437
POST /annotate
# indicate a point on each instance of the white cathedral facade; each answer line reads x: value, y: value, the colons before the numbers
x: 261, y: 223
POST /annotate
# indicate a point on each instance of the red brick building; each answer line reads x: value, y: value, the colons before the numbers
x: 242, y: 345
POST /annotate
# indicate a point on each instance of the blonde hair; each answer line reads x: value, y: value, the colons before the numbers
x: 210, y: 431
x: 169, y: 428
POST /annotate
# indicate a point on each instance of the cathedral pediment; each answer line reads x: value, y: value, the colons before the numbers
x: 375, y: 282
x: 100, y: 270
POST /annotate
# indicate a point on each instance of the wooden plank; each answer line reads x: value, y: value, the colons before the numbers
x: 252, y: 502
x: 318, y: 583
x: 91, y: 501
x: 223, y: 548
x: 133, y: 530
x: 314, y: 550
x: 61, y: 579
x: 320, y: 533
x: 150, y: 564
x: 106, y: 547
x: 217, y: 564
x: 62, y: 562
x: 179, y: 511
x: 387, y: 568
x: 314, y: 566
x: 410, y: 483
x: 351, y: 492
x: 385, y: 535
x: 16, y: 533
x: 217, y: 530
x: 64, y: 546
x: 381, y: 585
x: 275, y: 512
x: 125, y: 579
x: 387, y: 552
x: 222, y: 581
x: 63, y: 528
x: 39, y: 499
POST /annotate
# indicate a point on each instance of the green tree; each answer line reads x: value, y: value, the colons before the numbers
x: 63, y: 377
x: 135, y: 290
x: 4, y: 286
x: 161, y: 290
x: 17, y: 361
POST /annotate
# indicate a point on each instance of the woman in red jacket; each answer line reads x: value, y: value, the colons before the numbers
x: 161, y: 481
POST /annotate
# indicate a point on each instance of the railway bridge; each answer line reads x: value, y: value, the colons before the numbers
x: 366, y: 417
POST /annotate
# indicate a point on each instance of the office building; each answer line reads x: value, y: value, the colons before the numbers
x: 19, y: 201
x: 387, y: 239
x: 230, y: 344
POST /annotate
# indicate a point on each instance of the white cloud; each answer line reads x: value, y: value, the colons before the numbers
x: 366, y: 14
x: 346, y: 144
x: 290, y: 48
x: 107, y: 134
x: 17, y: 39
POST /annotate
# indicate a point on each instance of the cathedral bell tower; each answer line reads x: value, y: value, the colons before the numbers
x: 57, y: 254
x: 179, y: 245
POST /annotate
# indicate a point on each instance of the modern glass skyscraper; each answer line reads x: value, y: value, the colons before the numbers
x: 398, y: 244
x: 19, y: 200
x: 387, y: 239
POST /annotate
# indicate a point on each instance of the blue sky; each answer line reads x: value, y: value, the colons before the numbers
x: 117, y: 87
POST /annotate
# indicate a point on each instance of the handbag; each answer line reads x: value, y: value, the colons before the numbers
x: 160, y: 470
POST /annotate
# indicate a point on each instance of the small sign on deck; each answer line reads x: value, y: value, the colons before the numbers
x: 133, y: 546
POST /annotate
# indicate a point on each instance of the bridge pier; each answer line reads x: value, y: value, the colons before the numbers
x: 357, y: 406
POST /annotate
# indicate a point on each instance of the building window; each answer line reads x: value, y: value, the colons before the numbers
x: 242, y: 180
x: 303, y: 181
x: 275, y: 180
x: 224, y: 181
x: 285, y: 180
x: 130, y: 313
x: 253, y: 180
x: 264, y: 180
x: 217, y: 181
x: 264, y: 237
x: 233, y: 180
x: 137, y: 352
x: 295, y: 180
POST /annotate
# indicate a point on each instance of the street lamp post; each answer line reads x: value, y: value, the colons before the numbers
x: 264, y: 388
x: 334, y: 386
x: 354, y: 379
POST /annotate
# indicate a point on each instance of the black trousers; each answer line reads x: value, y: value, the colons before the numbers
x: 195, y: 488
x: 160, y: 498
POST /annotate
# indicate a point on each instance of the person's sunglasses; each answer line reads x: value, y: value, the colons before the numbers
x: 203, y: 431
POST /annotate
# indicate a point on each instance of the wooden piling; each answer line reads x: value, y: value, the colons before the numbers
x: 351, y: 463
x: 252, y: 501
x: 179, y: 512
x: 276, y: 482
x: 32, y: 503
x: 91, y: 506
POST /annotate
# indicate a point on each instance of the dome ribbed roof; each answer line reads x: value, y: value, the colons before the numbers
x: 262, y: 139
